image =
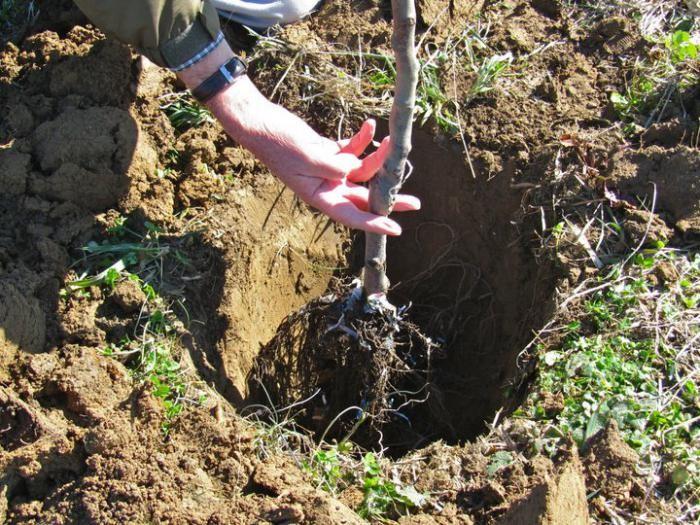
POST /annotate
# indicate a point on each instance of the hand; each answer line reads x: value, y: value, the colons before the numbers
x: 320, y: 171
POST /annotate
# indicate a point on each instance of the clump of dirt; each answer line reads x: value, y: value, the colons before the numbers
x: 668, y: 178
x: 477, y: 484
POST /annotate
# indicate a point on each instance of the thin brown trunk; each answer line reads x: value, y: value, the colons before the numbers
x: 384, y: 187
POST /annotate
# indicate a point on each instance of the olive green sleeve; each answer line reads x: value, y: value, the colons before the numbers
x: 171, y: 33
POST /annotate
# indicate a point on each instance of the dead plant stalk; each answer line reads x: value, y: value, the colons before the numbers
x: 384, y: 187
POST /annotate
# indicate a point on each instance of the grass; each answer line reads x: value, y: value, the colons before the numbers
x: 185, y: 112
x: 152, y: 352
x: 668, y: 68
x: 654, y: 18
x: 653, y: 83
x: 336, y: 467
x: 361, y: 82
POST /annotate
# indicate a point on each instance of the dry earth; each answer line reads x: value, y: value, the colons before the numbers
x: 82, y: 137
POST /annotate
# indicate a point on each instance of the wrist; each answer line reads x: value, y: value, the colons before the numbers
x: 197, y: 73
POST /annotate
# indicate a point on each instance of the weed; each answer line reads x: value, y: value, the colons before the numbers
x: 488, y: 72
x: 631, y: 358
x: 382, y: 497
x: 335, y: 467
x: 654, y: 82
x: 151, y: 354
x: 681, y: 46
x: 431, y: 99
x: 185, y: 113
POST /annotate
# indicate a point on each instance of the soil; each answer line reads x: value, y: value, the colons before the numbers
x: 83, y: 138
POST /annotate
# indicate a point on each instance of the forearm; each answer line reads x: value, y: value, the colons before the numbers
x: 320, y: 171
x: 248, y: 117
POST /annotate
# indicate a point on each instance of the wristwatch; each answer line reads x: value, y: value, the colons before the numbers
x: 221, y: 78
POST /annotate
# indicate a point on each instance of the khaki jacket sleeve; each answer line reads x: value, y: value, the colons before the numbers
x: 171, y: 33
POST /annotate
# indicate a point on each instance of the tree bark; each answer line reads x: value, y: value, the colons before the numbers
x: 387, y: 183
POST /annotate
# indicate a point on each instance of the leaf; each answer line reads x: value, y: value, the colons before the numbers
x: 680, y: 476
x: 550, y: 358
x: 618, y: 99
x: 500, y: 459
x: 412, y: 496
x: 596, y: 423
x: 682, y: 46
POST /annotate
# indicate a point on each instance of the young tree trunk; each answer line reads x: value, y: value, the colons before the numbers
x: 387, y: 183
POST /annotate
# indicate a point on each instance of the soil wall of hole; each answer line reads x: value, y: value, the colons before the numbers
x: 465, y: 264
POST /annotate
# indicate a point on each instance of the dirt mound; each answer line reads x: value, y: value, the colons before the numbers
x: 560, y: 499
x: 611, y: 467
x: 670, y: 177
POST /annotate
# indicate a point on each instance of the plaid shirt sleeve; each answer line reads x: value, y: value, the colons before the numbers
x: 172, y: 33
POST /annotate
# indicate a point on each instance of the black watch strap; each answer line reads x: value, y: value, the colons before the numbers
x: 223, y: 76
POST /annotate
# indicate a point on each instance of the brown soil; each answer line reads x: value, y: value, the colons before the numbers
x: 82, y: 137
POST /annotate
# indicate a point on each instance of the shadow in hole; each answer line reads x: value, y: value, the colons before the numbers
x: 206, y: 325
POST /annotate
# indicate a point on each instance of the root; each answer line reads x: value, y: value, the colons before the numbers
x: 373, y: 359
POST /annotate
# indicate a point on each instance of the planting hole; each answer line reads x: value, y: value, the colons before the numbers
x: 464, y: 266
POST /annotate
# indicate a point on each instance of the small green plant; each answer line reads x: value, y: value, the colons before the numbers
x: 185, y: 113
x: 488, y: 72
x: 635, y: 99
x: 653, y: 82
x: 682, y: 46
x: 334, y: 468
x: 609, y: 366
x: 152, y: 354
x: 157, y: 366
x: 382, y: 497
x: 329, y: 467
x: 431, y: 99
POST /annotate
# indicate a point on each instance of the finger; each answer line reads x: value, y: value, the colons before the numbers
x: 359, y: 196
x: 359, y: 142
x: 345, y: 212
x: 371, y: 163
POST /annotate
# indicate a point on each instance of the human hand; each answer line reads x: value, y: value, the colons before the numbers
x: 323, y: 173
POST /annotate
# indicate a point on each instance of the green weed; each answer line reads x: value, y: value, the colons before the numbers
x: 615, y: 363
x: 682, y: 46
x: 151, y: 354
x: 336, y: 467
x: 184, y: 112
x: 654, y: 82
x: 382, y: 497
x: 488, y: 71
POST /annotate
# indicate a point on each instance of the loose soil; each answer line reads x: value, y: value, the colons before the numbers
x: 82, y: 138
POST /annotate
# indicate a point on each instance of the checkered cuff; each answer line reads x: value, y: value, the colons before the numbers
x: 199, y: 55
